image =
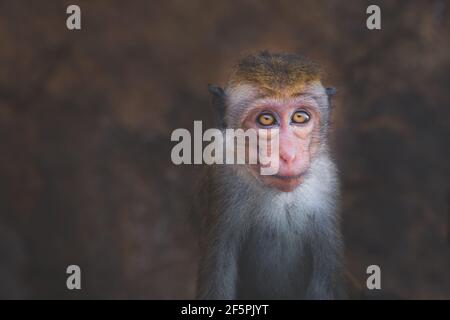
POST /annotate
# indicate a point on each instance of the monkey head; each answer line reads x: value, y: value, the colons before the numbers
x: 283, y: 92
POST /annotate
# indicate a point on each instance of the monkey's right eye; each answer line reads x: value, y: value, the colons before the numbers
x: 266, y: 119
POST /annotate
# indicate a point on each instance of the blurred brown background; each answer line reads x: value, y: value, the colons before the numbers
x: 86, y: 118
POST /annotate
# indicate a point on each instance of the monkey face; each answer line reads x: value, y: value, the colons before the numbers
x: 296, y: 121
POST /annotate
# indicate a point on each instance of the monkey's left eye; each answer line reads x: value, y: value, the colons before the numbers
x: 300, y: 117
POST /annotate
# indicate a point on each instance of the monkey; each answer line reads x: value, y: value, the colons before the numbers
x: 274, y: 236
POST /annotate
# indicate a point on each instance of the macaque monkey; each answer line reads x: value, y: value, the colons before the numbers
x: 273, y: 236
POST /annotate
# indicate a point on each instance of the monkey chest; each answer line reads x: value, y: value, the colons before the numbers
x: 273, y: 265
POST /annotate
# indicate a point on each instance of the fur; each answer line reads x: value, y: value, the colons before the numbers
x: 264, y: 249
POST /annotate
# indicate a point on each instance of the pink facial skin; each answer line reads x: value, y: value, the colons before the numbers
x: 297, y: 142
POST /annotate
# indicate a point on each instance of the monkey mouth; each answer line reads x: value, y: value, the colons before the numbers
x: 282, y: 182
x: 288, y: 178
x: 285, y: 183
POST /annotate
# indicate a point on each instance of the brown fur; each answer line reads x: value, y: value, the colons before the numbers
x: 276, y: 73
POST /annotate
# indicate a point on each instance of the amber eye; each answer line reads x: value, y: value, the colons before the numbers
x: 300, y: 117
x: 266, y: 119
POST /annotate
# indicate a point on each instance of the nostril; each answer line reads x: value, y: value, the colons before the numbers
x: 288, y: 156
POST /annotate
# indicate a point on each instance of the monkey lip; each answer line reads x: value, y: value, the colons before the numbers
x: 288, y: 178
x: 285, y: 183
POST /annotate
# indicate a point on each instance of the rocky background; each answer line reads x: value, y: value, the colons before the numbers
x: 86, y: 118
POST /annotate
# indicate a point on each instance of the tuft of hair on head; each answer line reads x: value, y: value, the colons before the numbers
x: 275, y: 71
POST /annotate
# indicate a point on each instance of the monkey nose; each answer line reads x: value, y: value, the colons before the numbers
x: 287, y: 154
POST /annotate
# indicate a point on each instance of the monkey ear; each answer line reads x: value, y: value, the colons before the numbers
x: 215, y: 90
x: 330, y: 91
x: 218, y: 103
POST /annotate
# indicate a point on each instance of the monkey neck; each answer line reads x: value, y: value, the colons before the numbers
x: 316, y: 196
